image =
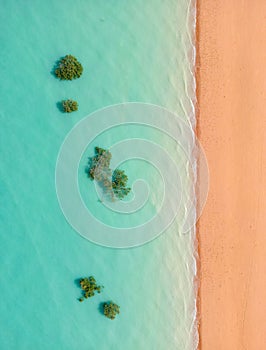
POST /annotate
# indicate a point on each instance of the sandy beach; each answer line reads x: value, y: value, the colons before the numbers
x: 231, y: 123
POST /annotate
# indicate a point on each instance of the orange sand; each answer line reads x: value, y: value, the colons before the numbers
x: 232, y: 103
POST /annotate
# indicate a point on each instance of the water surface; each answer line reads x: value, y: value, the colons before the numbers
x: 130, y: 51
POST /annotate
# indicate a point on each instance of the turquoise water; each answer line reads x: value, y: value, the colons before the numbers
x: 130, y: 51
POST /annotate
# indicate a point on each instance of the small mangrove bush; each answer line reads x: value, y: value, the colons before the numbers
x: 113, y: 182
x: 69, y: 106
x: 68, y: 68
x: 119, y: 184
x: 89, y: 287
x: 110, y: 310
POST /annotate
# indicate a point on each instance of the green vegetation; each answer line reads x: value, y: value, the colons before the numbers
x: 110, y: 310
x: 113, y: 182
x: 119, y: 184
x: 89, y: 287
x: 68, y: 68
x: 99, y: 164
x: 69, y: 106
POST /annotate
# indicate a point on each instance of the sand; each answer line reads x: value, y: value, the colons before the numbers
x: 231, y: 121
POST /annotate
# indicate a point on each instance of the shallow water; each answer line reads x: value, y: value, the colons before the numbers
x: 131, y: 51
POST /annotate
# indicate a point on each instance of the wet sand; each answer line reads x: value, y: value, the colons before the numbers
x: 231, y: 79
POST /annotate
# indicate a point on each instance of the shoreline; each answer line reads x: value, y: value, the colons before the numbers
x: 230, y: 65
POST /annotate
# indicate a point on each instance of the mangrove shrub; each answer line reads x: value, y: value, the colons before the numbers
x: 89, y: 287
x: 69, y: 106
x: 110, y: 310
x: 68, y: 68
x: 113, y: 182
